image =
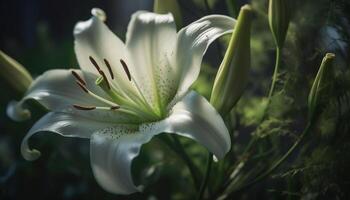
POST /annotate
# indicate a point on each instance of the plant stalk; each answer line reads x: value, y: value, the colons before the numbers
x: 275, y: 73
x: 179, y: 149
x: 278, y: 163
x: 206, y: 177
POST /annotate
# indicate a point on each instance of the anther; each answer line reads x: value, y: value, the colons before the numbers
x: 93, y: 61
x: 82, y: 87
x: 125, y: 67
x: 105, y: 78
x: 109, y: 68
x: 81, y: 80
x: 79, y: 107
x: 115, y: 107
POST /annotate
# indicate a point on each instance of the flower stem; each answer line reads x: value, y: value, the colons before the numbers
x: 207, y: 7
x: 237, y: 166
x: 277, y: 163
x: 179, y: 149
x: 274, y: 77
x: 206, y: 177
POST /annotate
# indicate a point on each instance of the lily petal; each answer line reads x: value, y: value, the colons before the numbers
x: 114, y: 148
x: 192, y: 43
x: 65, y: 124
x: 57, y: 91
x: 94, y: 39
x: 112, y: 151
x: 196, y: 118
x: 150, y: 40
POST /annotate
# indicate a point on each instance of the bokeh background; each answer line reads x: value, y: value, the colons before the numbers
x: 38, y: 34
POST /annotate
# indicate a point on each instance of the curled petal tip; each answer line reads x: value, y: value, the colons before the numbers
x: 215, y: 159
x: 16, y: 112
x: 99, y: 13
x: 329, y: 56
x: 31, y: 155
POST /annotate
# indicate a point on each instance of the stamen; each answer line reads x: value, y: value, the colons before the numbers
x: 105, y: 78
x: 93, y: 61
x: 125, y: 69
x: 81, y: 80
x: 115, y: 107
x: 109, y: 68
x: 96, y: 96
x: 79, y: 107
x: 83, y: 87
x: 86, y: 90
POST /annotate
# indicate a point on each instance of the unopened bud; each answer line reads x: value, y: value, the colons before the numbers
x: 322, y: 84
x: 279, y: 17
x: 14, y: 75
x: 166, y: 6
x: 232, y: 76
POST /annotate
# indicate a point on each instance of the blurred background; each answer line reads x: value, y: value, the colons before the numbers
x: 38, y: 34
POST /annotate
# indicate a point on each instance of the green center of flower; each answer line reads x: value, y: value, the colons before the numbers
x: 119, y: 99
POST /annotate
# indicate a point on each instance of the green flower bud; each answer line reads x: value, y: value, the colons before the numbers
x: 166, y: 6
x: 14, y: 75
x: 322, y: 84
x: 232, y: 76
x: 279, y: 18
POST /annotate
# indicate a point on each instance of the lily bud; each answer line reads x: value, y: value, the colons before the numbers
x: 232, y: 76
x: 14, y: 74
x: 166, y: 6
x: 322, y: 84
x: 279, y: 18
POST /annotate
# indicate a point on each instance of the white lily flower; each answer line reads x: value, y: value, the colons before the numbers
x: 125, y: 94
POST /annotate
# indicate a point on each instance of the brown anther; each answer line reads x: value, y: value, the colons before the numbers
x: 115, y: 107
x: 83, y: 87
x: 109, y: 68
x: 76, y: 75
x: 79, y: 107
x: 125, y: 67
x: 93, y: 61
x: 105, y: 78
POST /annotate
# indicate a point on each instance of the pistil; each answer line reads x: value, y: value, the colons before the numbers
x: 105, y: 79
x: 106, y: 87
x: 86, y: 90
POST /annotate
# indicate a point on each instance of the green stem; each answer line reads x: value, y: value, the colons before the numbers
x: 232, y: 8
x: 237, y: 166
x: 206, y: 177
x: 251, y: 143
x: 278, y: 163
x: 274, y: 79
x: 275, y: 73
x: 179, y: 149
x: 207, y: 7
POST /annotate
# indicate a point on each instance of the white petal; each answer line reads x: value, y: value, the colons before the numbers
x: 150, y: 40
x: 16, y: 111
x: 112, y: 151
x: 65, y: 124
x: 114, y: 148
x: 93, y: 38
x: 57, y: 91
x: 192, y: 43
x: 195, y: 118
